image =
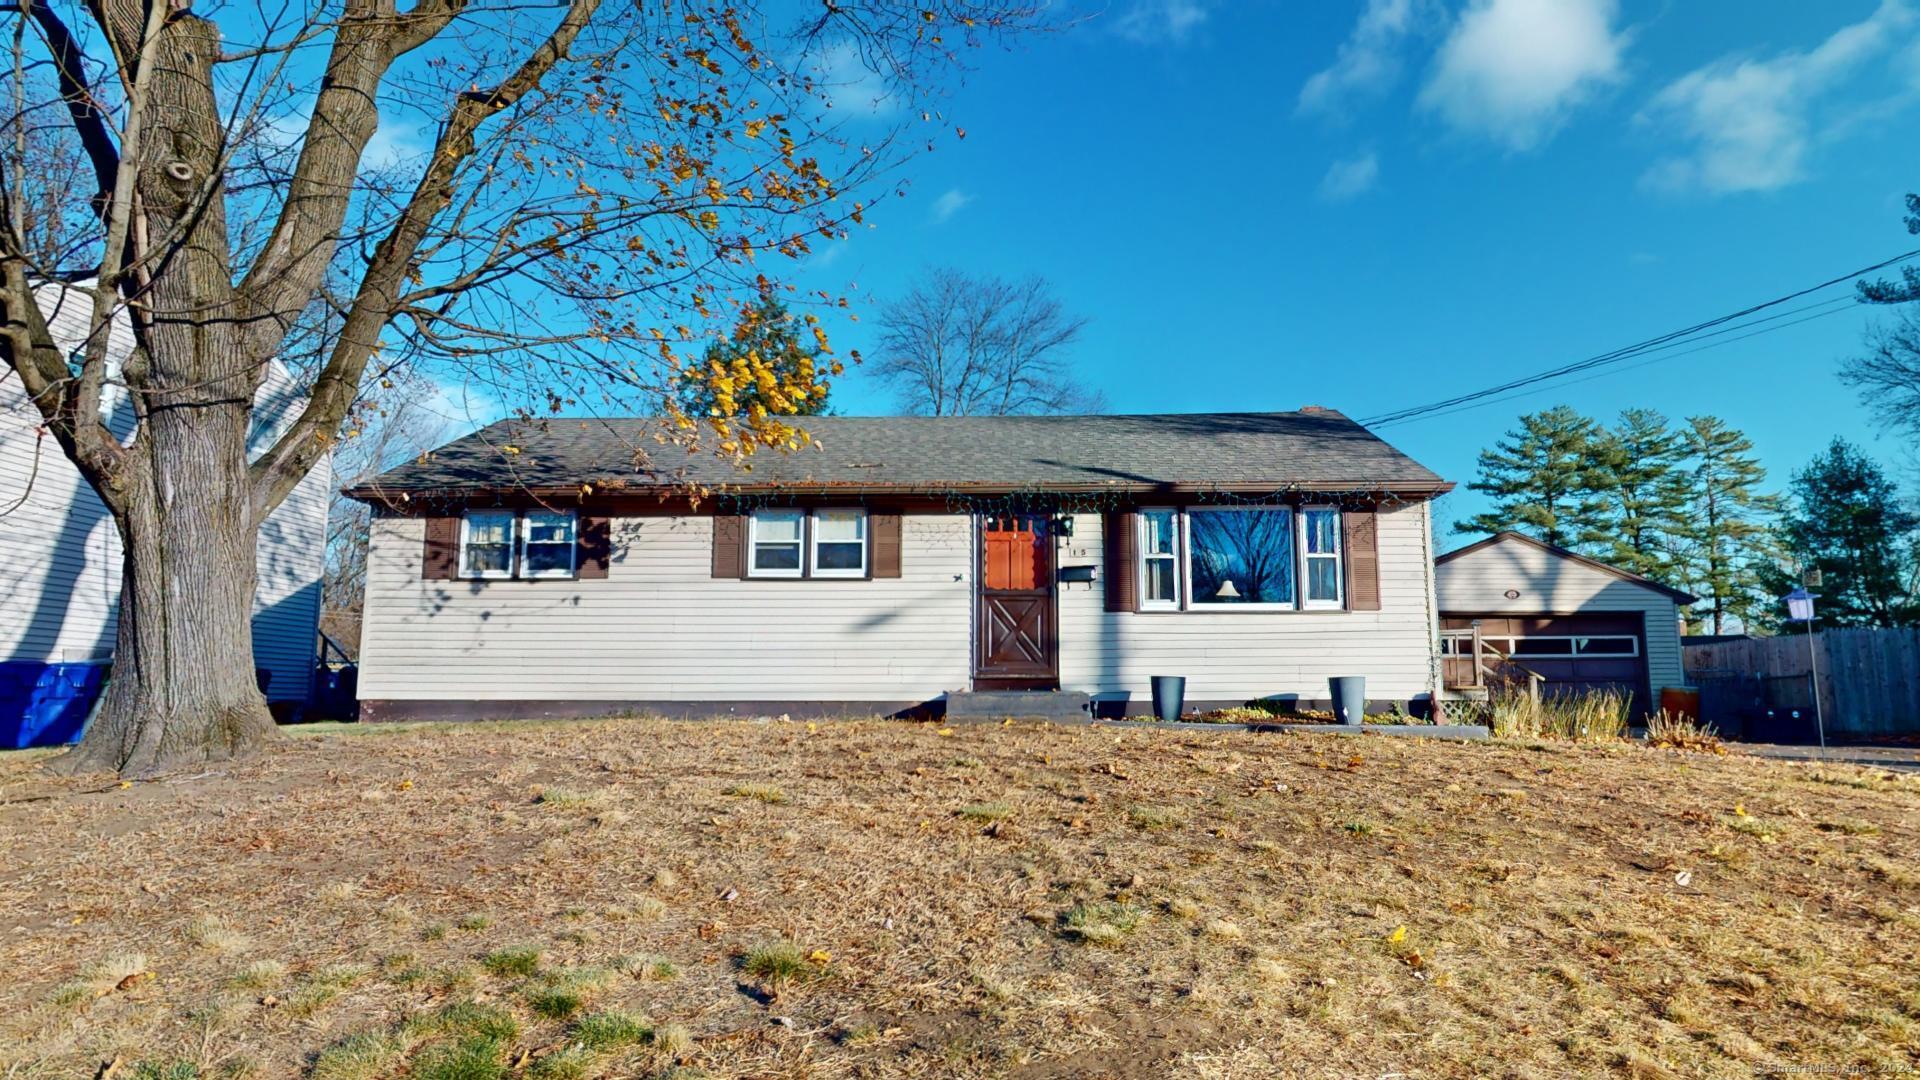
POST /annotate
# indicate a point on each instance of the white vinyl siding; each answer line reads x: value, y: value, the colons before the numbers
x: 1241, y: 654
x: 660, y: 627
x: 1477, y: 583
x: 60, y: 581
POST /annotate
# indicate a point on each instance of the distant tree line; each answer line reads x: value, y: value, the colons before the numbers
x: 1686, y: 505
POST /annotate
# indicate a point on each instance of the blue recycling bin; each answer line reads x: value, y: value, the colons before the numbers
x: 44, y: 704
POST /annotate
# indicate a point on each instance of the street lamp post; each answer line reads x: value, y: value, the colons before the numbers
x: 1800, y: 610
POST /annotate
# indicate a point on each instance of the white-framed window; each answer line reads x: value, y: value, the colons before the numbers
x: 547, y: 544
x: 1240, y: 556
x: 839, y: 543
x: 774, y: 542
x: 1159, y: 544
x: 1320, y: 553
x: 486, y: 544
x: 1208, y: 558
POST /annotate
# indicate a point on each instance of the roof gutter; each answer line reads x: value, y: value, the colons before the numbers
x: 399, y: 497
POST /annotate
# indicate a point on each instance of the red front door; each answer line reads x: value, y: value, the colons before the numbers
x: 1017, y: 646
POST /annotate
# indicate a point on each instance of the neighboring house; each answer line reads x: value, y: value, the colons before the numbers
x: 60, y: 584
x: 1577, y: 622
x: 535, y: 570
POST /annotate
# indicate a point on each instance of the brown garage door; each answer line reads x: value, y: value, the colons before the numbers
x: 1573, y: 653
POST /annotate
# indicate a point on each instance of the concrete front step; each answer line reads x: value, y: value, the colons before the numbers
x: 1043, y: 704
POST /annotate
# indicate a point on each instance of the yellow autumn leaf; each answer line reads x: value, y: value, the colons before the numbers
x: 1399, y: 934
x: 944, y: 731
x: 820, y: 956
x: 1739, y: 810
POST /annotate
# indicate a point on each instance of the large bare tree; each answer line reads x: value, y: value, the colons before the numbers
x: 957, y: 345
x: 570, y: 194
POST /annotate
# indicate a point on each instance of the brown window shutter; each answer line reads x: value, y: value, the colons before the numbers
x: 1123, y: 585
x: 1362, y: 558
x: 883, y: 533
x: 729, y: 545
x: 596, y: 548
x: 440, y: 561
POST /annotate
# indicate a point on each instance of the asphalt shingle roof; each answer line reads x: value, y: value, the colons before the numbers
x: 1313, y: 448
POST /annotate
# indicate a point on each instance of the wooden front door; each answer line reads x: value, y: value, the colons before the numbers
x: 1017, y: 646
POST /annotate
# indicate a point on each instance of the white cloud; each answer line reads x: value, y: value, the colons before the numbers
x: 1368, y: 63
x: 843, y: 76
x: 1351, y: 178
x: 1154, y: 22
x: 1512, y: 70
x: 950, y: 202
x: 1750, y: 122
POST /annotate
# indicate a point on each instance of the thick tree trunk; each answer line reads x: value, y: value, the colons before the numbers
x: 182, y: 691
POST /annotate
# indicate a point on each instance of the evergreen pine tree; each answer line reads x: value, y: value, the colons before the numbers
x: 1847, y: 522
x: 1637, y: 466
x: 1724, y: 537
x: 1542, y: 478
x: 767, y: 340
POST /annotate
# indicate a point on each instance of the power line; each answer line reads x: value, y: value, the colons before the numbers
x: 1613, y: 356
x: 1846, y: 303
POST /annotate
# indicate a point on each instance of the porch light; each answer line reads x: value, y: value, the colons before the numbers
x: 1800, y: 610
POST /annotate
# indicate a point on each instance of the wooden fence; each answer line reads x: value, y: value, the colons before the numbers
x: 1869, y: 679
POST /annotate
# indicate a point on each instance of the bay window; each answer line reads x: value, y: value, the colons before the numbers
x: 1261, y: 557
x: 1237, y: 556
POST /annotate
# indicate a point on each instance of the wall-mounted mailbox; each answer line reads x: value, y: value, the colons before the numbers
x: 1076, y: 573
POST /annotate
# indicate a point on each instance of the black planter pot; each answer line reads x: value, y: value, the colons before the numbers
x: 1349, y: 698
x: 1169, y: 694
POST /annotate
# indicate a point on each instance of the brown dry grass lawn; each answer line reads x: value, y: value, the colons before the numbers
x: 640, y: 898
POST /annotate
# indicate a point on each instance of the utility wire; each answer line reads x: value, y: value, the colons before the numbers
x: 1628, y: 352
x: 1846, y: 303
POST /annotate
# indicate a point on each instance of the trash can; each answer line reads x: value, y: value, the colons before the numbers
x: 1349, y: 698
x: 1169, y: 694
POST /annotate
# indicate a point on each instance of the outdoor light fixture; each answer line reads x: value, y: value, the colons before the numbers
x: 1227, y: 591
x: 1800, y: 610
x: 1799, y: 606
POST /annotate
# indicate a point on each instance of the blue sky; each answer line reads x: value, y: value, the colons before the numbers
x: 1378, y: 204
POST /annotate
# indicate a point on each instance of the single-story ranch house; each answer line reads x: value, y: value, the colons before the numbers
x: 562, y: 568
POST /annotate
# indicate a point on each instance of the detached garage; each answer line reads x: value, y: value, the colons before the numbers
x: 1511, y: 601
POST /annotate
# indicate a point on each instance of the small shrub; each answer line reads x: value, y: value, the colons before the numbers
x: 986, y: 811
x: 1359, y: 828
x: 766, y: 793
x: 521, y: 960
x: 1105, y: 922
x: 474, y: 922
x: 1678, y: 731
x: 166, y: 1070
